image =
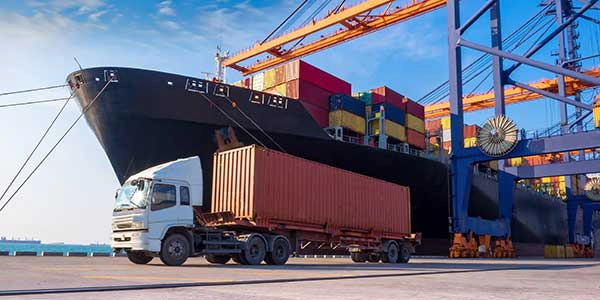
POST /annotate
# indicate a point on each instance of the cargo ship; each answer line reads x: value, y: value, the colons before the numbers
x: 144, y: 118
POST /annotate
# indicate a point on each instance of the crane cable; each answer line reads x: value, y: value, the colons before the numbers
x: 284, y: 21
x: 83, y: 111
x: 33, y: 90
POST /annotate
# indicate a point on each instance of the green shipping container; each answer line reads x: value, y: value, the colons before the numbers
x: 364, y: 97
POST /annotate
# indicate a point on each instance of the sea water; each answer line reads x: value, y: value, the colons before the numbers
x: 11, y: 248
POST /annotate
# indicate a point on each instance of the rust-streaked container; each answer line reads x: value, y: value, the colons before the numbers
x: 262, y: 185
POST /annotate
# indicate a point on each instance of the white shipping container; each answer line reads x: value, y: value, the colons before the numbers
x: 446, y: 135
x: 258, y: 82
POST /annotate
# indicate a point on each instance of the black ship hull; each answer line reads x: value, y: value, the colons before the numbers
x: 147, y: 118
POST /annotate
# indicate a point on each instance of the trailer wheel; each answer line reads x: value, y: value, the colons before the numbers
x: 358, y: 257
x: 255, y: 251
x: 280, y: 254
x: 175, y: 250
x: 391, y: 256
x: 139, y: 257
x: 404, y: 254
x: 217, y: 259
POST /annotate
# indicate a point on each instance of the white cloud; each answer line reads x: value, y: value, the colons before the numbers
x: 170, y: 25
x: 94, y: 17
x: 164, y: 8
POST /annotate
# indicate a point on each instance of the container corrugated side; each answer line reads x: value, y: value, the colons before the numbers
x: 414, y: 108
x: 392, y: 129
x: 308, y: 92
x: 433, y: 125
x: 415, y: 123
x: 260, y: 184
x: 258, y: 82
x: 269, y: 79
x: 445, y: 123
x: 347, y: 120
x: 384, y: 94
x: 320, y: 115
x: 415, y: 139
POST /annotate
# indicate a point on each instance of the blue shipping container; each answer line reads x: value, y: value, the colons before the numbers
x: 392, y: 113
x: 347, y: 103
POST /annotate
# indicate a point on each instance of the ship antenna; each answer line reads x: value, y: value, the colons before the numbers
x: 220, y: 57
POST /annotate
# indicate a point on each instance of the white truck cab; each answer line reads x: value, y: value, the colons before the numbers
x: 153, y: 202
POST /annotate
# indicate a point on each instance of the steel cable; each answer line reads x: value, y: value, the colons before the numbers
x: 83, y: 111
x: 33, y: 90
x: 33, y: 102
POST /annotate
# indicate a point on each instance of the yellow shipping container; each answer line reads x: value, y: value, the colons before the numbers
x: 269, y: 80
x: 517, y: 161
x: 597, y: 117
x: 415, y: 123
x: 554, y: 251
x: 281, y: 89
x: 546, y: 180
x: 392, y: 129
x: 471, y: 142
x: 445, y: 123
x: 347, y: 120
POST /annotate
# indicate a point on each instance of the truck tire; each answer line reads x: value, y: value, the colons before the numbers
x: 217, y: 259
x: 139, y: 257
x: 358, y: 257
x: 238, y: 259
x: 175, y: 250
x: 404, y: 254
x: 374, y: 258
x: 280, y: 254
x: 255, y: 251
x: 391, y: 255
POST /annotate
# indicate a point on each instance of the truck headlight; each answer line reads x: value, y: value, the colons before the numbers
x: 137, y: 225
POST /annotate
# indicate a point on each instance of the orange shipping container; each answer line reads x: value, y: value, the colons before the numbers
x: 259, y: 184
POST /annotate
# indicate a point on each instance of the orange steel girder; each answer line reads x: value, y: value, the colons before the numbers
x: 352, y: 28
x: 512, y: 95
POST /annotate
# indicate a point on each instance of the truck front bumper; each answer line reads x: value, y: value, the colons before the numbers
x: 134, y: 240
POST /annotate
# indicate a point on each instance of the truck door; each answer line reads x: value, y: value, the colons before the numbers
x: 165, y: 211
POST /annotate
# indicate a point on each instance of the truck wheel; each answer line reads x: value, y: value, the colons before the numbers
x: 139, y: 257
x: 280, y: 253
x: 404, y: 254
x: 373, y: 258
x: 255, y: 251
x: 238, y: 259
x: 217, y: 259
x: 175, y: 250
x: 358, y: 257
x: 391, y: 256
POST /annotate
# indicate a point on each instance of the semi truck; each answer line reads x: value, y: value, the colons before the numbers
x: 265, y: 205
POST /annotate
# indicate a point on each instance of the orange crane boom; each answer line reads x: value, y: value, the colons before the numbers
x: 353, y: 24
x: 512, y: 95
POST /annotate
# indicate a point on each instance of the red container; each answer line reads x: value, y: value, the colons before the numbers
x: 414, y: 108
x: 470, y: 131
x: 308, y: 92
x: 302, y: 70
x: 320, y: 115
x: 433, y: 125
x: 263, y: 185
x: 385, y: 94
x: 415, y: 138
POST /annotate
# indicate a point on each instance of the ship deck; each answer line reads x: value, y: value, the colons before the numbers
x: 302, y: 278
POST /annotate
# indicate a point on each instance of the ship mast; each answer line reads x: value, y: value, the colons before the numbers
x: 220, y: 57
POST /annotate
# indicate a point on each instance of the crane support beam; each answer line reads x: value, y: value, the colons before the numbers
x: 369, y: 25
x: 556, y: 169
x: 512, y: 95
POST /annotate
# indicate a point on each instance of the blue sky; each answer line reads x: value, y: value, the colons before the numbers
x: 70, y: 198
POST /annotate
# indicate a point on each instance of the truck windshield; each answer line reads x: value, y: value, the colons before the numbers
x: 130, y: 196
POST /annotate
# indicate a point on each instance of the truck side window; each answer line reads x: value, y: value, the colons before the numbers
x: 184, y: 195
x: 163, y: 196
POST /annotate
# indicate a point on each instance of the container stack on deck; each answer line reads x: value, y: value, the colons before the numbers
x: 303, y: 81
x: 348, y: 113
